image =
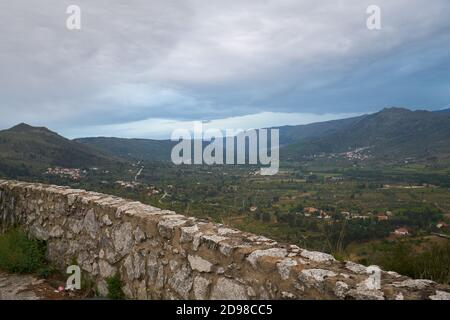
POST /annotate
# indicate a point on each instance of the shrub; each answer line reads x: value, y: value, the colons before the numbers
x: 21, y: 254
x: 433, y: 263
x: 115, y: 288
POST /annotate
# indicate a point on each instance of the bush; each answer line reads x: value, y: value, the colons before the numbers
x: 433, y: 263
x: 21, y: 254
x: 115, y: 288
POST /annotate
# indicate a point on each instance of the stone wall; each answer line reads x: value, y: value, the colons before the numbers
x: 163, y: 255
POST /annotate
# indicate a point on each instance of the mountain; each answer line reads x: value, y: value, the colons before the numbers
x: 389, y: 134
x: 445, y: 111
x: 133, y: 149
x: 293, y: 134
x: 27, y: 149
x: 148, y: 149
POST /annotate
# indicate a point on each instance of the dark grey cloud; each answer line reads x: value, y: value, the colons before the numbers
x: 183, y: 60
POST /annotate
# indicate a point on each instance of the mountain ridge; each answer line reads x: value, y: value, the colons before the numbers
x: 389, y: 133
x: 25, y: 149
x: 133, y: 149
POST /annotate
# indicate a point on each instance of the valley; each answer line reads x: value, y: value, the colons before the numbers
x: 351, y: 198
x: 346, y: 213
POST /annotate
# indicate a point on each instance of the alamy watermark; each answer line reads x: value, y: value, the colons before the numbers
x: 373, y: 282
x: 73, y: 22
x: 74, y: 280
x: 232, y: 147
x: 239, y: 146
x: 373, y: 21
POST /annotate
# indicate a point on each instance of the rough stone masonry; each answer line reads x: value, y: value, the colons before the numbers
x: 160, y: 254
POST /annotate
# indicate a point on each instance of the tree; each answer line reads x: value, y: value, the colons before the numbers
x: 266, y: 216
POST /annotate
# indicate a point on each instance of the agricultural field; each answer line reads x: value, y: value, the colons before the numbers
x: 327, y: 209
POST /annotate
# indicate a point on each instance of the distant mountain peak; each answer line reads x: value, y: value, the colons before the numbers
x: 391, y: 133
x: 22, y: 126
x: 38, y: 148
x: 395, y: 110
x: 25, y: 127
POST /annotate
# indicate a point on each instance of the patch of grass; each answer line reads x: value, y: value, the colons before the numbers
x: 115, y: 288
x: 21, y: 254
x: 432, y: 263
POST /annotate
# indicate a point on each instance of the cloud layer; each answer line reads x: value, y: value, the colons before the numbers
x: 137, y: 65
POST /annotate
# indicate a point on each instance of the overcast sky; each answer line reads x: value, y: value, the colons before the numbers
x: 141, y: 68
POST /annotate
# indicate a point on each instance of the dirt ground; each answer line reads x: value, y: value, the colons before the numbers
x: 29, y: 287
